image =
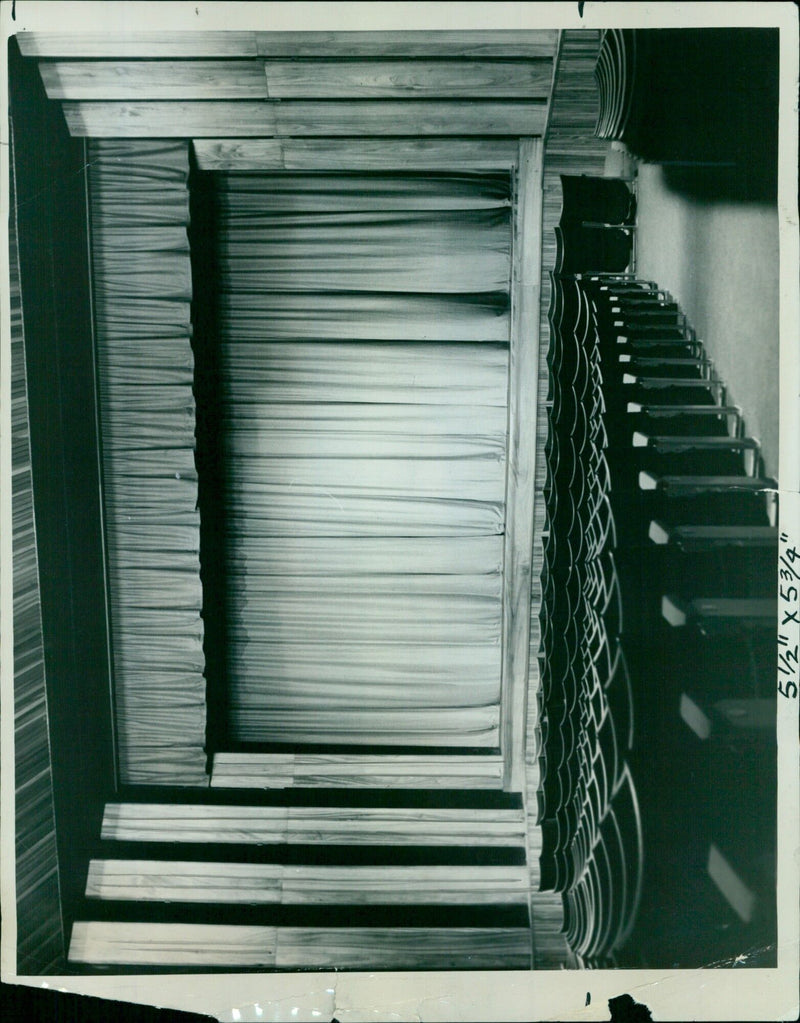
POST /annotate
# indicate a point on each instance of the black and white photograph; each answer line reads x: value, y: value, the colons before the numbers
x: 400, y: 602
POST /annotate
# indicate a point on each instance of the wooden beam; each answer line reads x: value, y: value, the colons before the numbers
x: 288, y: 770
x: 154, y: 79
x: 137, y: 44
x: 247, y: 946
x: 286, y: 118
x: 523, y: 381
x: 363, y: 825
x: 435, y: 79
x: 306, y: 885
x: 404, y: 948
x: 419, y: 154
x: 295, y: 79
x: 504, y: 44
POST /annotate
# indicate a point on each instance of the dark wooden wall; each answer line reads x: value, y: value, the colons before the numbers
x: 51, y: 217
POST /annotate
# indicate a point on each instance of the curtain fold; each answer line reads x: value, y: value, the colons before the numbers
x: 142, y: 289
x: 363, y: 332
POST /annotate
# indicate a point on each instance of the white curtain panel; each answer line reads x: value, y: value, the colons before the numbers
x: 142, y: 291
x: 364, y: 373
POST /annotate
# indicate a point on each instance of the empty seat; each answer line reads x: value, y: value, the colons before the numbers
x: 598, y: 200
x: 719, y: 612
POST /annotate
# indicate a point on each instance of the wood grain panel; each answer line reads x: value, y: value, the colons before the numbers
x: 276, y: 883
x: 524, y: 356
x: 414, y: 154
x: 523, y: 43
x: 345, y: 79
x: 154, y: 79
x: 295, y: 79
x: 404, y: 948
x: 167, y: 944
x: 163, y: 822
x: 137, y: 44
x: 286, y: 118
x: 353, y: 948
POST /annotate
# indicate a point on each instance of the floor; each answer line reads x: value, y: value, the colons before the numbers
x: 719, y: 258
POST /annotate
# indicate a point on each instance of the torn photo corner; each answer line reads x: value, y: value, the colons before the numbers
x: 401, y: 509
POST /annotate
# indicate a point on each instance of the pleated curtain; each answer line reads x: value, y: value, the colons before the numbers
x: 363, y: 339
x: 142, y: 291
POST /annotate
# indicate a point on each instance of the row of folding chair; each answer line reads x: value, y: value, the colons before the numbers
x: 614, y: 74
x: 585, y: 698
x: 597, y: 202
x: 696, y: 514
x: 597, y: 227
x: 600, y: 909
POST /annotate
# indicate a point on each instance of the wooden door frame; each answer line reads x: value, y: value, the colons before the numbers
x: 523, y: 159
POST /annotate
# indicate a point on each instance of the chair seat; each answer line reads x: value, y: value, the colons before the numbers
x: 693, y: 538
x: 730, y: 611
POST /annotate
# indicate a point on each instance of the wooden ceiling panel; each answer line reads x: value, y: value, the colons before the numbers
x: 415, y: 154
x: 295, y: 79
x: 524, y: 44
x: 288, y: 118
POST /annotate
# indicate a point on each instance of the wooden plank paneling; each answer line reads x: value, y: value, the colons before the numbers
x: 349, y: 948
x: 137, y: 44
x: 172, y: 822
x: 524, y: 357
x: 170, y: 944
x: 522, y: 43
x: 278, y: 770
x: 415, y: 154
x: 154, y: 79
x: 294, y: 79
x: 404, y: 948
x: 409, y: 117
x: 276, y: 883
x: 343, y: 79
x: 285, y: 118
